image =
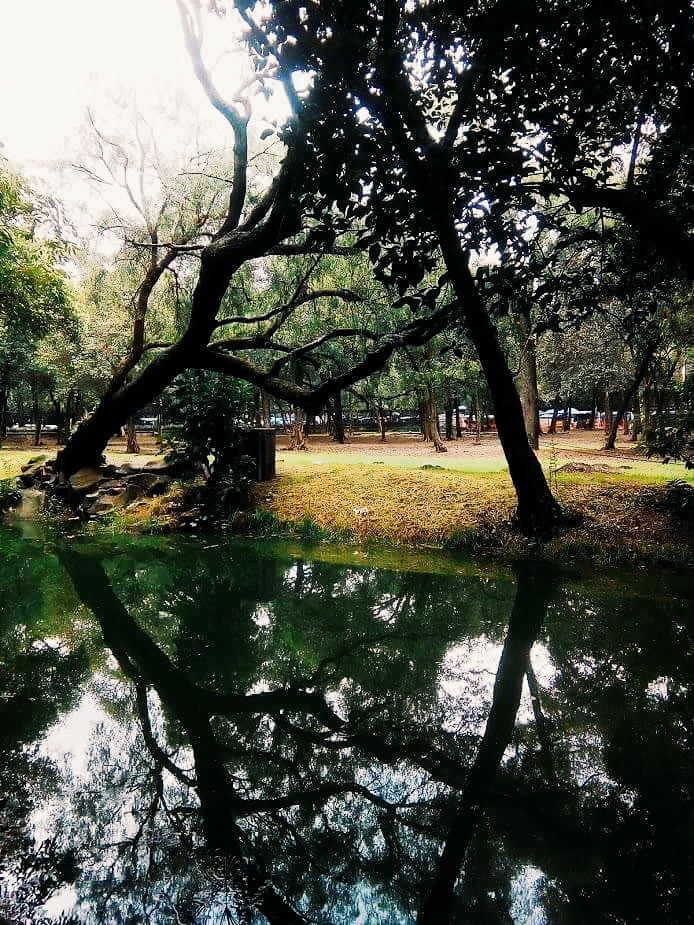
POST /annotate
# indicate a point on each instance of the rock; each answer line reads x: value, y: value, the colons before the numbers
x: 102, y: 495
x: 86, y: 481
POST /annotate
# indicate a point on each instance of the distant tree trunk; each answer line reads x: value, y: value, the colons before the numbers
x: 477, y: 415
x: 428, y: 419
x: 647, y: 405
x: 593, y: 406
x: 338, y: 419
x: 3, y: 413
x: 608, y: 412
x: 637, y: 425
x: 381, y: 419
x: 448, y: 410
x: 527, y: 382
x: 297, y: 440
x: 131, y: 444
x: 36, y: 409
x: 552, y: 429
x: 629, y: 395
x: 458, y: 425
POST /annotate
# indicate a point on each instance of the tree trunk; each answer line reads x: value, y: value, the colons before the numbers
x: 629, y: 395
x: 529, y: 397
x: 538, y: 513
x: 428, y: 417
x: 477, y: 414
x: 264, y: 409
x: 381, y: 420
x: 608, y: 411
x: 593, y: 406
x: 637, y: 426
x: 448, y: 411
x: 552, y: 429
x: 131, y: 444
x: 3, y: 414
x: 36, y: 407
x: 338, y: 419
x: 87, y: 444
x: 297, y: 440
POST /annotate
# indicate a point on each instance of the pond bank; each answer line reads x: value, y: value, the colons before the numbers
x: 622, y: 519
x: 402, y: 494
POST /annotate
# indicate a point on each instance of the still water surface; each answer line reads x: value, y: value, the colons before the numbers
x: 212, y: 730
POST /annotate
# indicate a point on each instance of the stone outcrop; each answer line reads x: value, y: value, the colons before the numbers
x: 93, y: 492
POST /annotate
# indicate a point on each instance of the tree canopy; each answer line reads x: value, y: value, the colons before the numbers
x: 34, y: 295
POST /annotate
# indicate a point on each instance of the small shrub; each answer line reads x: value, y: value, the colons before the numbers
x: 263, y: 524
x: 10, y: 494
x: 679, y: 499
x: 467, y: 540
x: 309, y: 532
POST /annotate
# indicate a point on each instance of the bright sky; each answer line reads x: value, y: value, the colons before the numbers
x: 57, y: 56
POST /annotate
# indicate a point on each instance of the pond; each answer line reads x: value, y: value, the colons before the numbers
x: 211, y: 730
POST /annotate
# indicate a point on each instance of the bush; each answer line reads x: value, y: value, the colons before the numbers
x: 10, y: 494
x: 210, y: 439
x: 679, y: 499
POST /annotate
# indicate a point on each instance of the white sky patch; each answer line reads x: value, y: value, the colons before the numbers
x: 524, y: 893
x: 55, y: 58
x: 466, y: 683
x: 67, y: 741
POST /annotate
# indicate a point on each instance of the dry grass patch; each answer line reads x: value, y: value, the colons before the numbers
x: 377, y: 504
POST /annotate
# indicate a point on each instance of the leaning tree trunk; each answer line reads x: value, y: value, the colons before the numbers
x: 630, y: 395
x: 87, y: 444
x: 538, y: 512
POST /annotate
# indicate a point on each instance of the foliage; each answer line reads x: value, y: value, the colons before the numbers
x: 679, y: 499
x: 34, y: 295
x: 10, y: 494
x: 211, y: 439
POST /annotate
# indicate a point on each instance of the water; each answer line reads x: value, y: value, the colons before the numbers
x: 210, y: 730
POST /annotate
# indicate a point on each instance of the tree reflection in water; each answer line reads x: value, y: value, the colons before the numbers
x: 300, y: 745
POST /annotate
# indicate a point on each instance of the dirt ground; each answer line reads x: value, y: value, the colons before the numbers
x: 581, y: 443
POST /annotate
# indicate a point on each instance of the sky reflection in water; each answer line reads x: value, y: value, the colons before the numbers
x: 149, y: 777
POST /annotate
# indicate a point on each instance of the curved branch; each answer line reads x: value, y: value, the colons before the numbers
x: 238, y: 120
x: 299, y: 352
x: 318, y: 794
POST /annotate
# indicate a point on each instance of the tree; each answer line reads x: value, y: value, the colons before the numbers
x: 35, y: 298
x: 33, y: 292
x: 437, y: 133
x: 440, y: 126
x: 258, y: 219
